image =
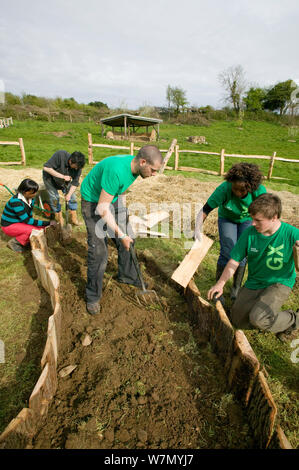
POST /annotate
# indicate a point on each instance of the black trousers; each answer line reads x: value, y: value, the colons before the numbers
x: 97, y: 255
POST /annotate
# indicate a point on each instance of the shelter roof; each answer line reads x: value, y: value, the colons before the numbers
x: 119, y: 120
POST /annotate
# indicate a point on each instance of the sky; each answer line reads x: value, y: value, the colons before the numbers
x: 126, y: 53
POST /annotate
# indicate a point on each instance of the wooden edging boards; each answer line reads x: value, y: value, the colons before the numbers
x: 21, y: 430
x: 245, y: 378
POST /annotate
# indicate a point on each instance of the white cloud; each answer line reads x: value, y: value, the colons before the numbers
x: 131, y: 51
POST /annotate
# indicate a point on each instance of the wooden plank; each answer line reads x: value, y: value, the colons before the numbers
x: 183, y: 274
x: 222, y: 335
x: 43, y: 392
x: 23, y: 156
x: 199, y: 170
x: 154, y: 218
x: 200, y: 309
x: 19, y: 431
x: 262, y: 411
x: 10, y: 163
x: 279, y: 440
x: 5, y: 142
x: 244, y: 368
x: 222, y: 156
x: 151, y: 233
x: 168, y: 155
x: 199, y: 151
x: 90, y: 156
x: 176, y: 161
x: 111, y: 146
x: 271, y: 165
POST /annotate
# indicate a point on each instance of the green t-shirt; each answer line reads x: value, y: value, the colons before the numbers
x: 270, y: 259
x: 230, y: 206
x: 113, y: 174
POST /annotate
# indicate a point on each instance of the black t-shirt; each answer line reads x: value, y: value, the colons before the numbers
x: 59, y: 162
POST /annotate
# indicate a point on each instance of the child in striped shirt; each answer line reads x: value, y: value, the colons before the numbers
x: 17, y: 220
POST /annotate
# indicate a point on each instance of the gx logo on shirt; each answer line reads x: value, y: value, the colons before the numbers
x: 275, y: 257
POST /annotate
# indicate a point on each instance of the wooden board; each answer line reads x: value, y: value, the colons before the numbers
x: 183, y: 274
x: 154, y: 218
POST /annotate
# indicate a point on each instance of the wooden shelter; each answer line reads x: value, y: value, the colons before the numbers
x: 128, y: 123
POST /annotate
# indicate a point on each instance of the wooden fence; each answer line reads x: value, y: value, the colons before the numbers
x: 131, y: 149
x: 23, y: 156
x: 5, y: 122
x: 177, y: 151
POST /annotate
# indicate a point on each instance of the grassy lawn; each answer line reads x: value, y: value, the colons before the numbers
x: 19, y: 326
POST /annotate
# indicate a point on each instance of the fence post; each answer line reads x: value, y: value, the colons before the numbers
x: 168, y: 155
x: 132, y: 148
x: 176, y: 161
x: 23, y: 156
x: 222, y: 162
x: 271, y: 165
x: 90, y: 157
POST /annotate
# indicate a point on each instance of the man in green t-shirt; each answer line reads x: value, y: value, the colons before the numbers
x: 269, y: 247
x: 103, y: 211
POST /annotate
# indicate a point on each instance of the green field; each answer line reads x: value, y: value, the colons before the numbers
x: 255, y: 138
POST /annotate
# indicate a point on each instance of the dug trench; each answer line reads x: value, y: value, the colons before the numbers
x: 148, y: 379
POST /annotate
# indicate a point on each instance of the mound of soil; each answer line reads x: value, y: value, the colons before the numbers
x: 147, y: 380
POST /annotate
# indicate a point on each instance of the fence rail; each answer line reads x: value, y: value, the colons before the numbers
x: 177, y: 151
x: 23, y: 156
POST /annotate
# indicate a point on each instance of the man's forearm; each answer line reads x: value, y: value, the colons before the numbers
x: 109, y: 219
x: 53, y: 172
x: 228, y: 271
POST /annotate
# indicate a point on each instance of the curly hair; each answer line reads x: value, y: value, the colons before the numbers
x: 247, y: 173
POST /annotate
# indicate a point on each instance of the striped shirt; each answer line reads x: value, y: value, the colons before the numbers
x: 17, y: 211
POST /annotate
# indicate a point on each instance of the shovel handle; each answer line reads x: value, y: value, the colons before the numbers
x: 137, y: 267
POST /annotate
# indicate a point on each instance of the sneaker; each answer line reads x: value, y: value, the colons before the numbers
x: 16, y: 246
x: 93, y: 308
x: 290, y: 333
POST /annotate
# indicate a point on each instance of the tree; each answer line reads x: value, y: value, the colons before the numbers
x: 98, y: 104
x: 234, y: 83
x: 279, y: 97
x: 177, y: 97
x: 254, y: 99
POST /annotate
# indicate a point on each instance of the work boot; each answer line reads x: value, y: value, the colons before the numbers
x: 292, y: 332
x: 16, y: 246
x: 59, y: 218
x: 219, y: 271
x: 238, y: 278
x: 74, y: 220
x: 93, y: 308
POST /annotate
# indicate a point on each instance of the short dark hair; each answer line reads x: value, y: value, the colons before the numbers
x: 267, y: 204
x: 150, y: 153
x: 28, y: 185
x: 247, y: 173
x: 78, y: 158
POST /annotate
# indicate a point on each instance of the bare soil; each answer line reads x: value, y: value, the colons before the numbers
x: 147, y: 380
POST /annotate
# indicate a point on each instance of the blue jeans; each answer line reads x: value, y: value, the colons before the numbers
x: 54, y: 197
x: 229, y: 234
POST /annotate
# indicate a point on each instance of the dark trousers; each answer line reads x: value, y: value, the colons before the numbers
x: 97, y: 255
x: 261, y: 309
x: 229, y: 234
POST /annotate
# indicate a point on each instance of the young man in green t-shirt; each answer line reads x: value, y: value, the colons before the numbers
x: 103, y: 211
x: 269, y: 246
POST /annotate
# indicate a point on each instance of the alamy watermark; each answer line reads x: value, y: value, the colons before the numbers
x: 177, y: 225
x: 2, y: 352
x: 295, y: 353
